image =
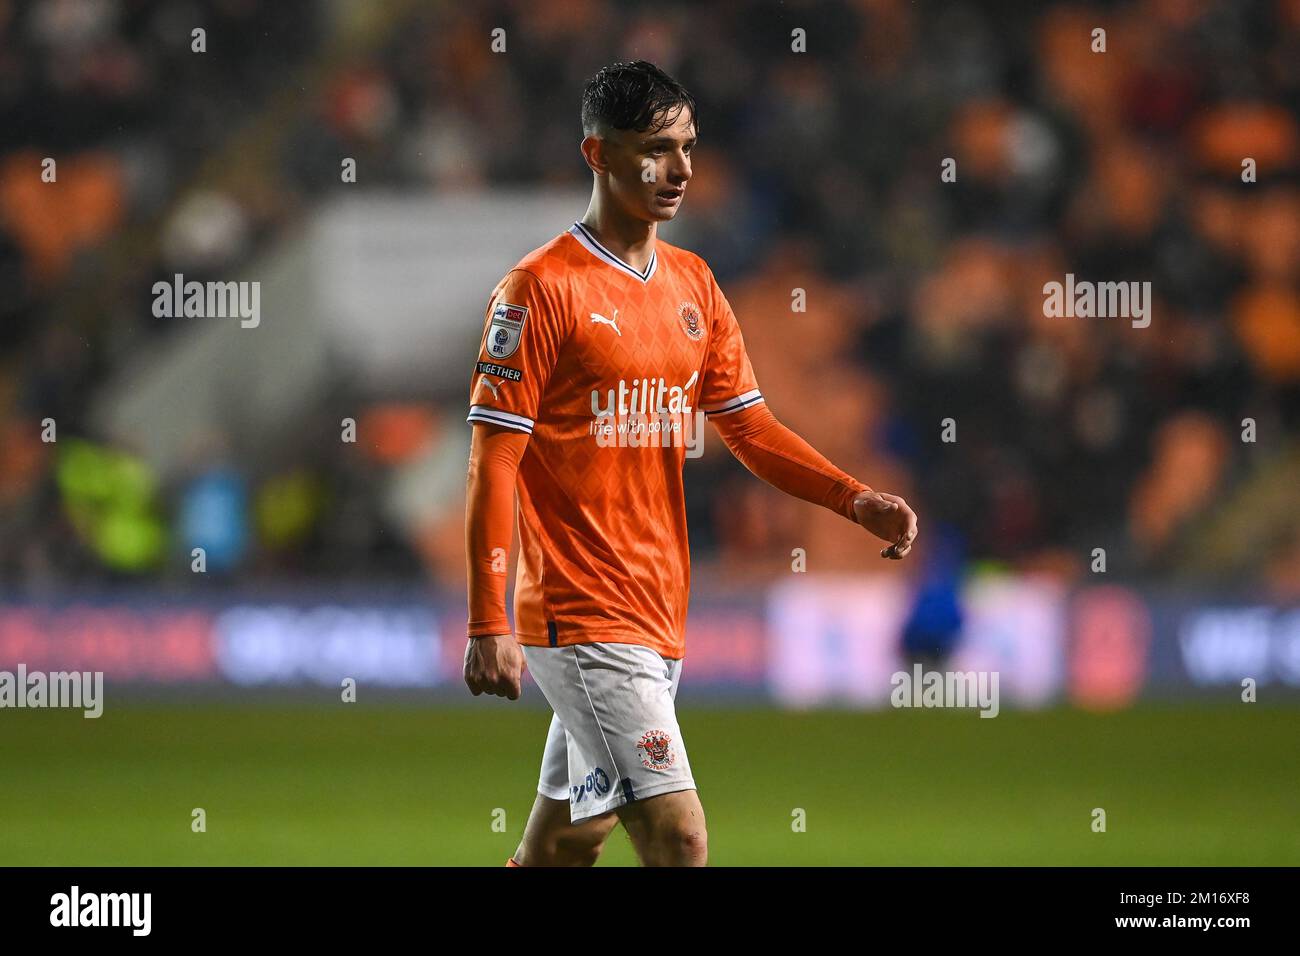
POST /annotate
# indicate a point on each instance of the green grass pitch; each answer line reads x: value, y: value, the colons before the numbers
x: 411, y: 785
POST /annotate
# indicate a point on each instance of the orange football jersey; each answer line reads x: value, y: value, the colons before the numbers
x: 611, y: 370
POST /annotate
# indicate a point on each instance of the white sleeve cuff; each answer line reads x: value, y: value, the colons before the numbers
x: 494, y: 416
x: 744, y: 400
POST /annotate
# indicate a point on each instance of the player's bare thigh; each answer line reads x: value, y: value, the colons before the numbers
x: 551, y: 839
x: 668, y: 829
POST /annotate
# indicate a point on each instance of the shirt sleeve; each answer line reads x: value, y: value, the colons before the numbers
x: 788, y: 463
x: 727, y: 384
x: 489, y: 525
x: 522, y: 334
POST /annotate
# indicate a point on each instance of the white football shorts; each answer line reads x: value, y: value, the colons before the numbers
x: 614, y: 737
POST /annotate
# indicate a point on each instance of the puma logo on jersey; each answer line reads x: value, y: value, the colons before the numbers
x: 597, y: 317
x: 488, y: 382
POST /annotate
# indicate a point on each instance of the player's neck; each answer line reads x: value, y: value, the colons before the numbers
x: 632, y: 240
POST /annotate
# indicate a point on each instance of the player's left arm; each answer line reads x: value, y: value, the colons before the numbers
x: 785, y: 461
x: 730, y: 397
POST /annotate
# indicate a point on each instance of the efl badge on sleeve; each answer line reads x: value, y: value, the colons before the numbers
x: 506, y: 328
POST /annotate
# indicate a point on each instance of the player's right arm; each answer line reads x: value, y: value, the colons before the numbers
x: 521, y: 340
x: 493, y: 660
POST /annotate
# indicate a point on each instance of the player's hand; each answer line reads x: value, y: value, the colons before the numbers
x: 889, y: 518
x: 494, y: 665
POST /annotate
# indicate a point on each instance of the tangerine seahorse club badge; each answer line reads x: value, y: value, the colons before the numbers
x: 656, y: 749
x: 688, y: 314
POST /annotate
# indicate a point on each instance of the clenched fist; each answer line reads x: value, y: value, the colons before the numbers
x: 494, y: 665
x: 889, y: 518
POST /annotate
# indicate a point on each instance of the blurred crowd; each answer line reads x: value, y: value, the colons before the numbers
x: 923, y: 362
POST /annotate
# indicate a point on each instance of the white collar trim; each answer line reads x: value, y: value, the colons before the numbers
x: 584, y: 236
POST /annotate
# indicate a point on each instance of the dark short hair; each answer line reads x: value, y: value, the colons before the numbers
x: 634, y: 96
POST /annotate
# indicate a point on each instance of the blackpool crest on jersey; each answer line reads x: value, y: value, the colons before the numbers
x: 688, y: 314
x: 505, y: 329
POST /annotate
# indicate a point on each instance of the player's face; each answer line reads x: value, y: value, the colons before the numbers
x: 648, y: 171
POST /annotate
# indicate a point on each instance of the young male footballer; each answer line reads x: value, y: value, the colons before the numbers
x: 600, y: 347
